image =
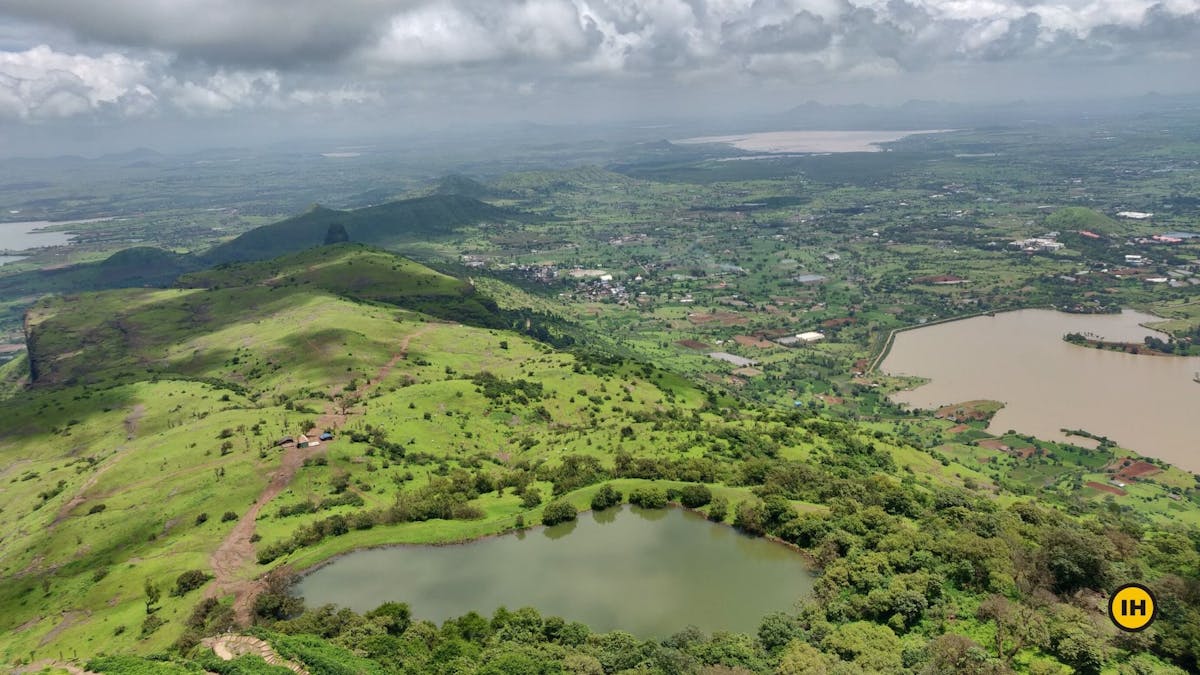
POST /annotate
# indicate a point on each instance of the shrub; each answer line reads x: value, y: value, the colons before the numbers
x: 607, y: 497
x: 96, y: 508
x: 750, y: 517
x: 152, y: 623
x: 202, y: 518
x: 189, y: 581
x: 648, y: 498
x: 531, y: 498
x: 228, y: 516
x: 718, y: 508
x: 558, y: 512
x: 695, y: 495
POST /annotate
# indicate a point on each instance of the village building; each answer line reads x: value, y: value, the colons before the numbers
x: 736, y: 360
x: 805, y: 338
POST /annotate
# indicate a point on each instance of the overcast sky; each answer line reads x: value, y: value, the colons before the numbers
x: 220, y: 70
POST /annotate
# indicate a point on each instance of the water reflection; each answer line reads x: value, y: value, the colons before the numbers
x: 649, y: 572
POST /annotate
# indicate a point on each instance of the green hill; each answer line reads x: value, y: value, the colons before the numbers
x: 1075, y: 218
x: 138, y: 266
x: 388, y: 225
x: 80, y: 338
x: 146, y: 504
x: 383, y: 225
x: 464, y: 186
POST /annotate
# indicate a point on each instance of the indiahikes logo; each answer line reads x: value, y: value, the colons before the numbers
x: 1132, y: 607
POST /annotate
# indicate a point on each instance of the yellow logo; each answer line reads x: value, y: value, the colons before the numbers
x: 1132, y: 607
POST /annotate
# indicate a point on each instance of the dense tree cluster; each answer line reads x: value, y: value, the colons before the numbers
x: 915, y: 575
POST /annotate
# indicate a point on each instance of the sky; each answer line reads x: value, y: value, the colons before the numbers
x: 86, y: 73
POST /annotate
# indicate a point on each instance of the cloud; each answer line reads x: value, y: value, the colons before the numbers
x: 245, y: 33
x: 40, y: 84
x: 205, y: 57
x: 614, y: 35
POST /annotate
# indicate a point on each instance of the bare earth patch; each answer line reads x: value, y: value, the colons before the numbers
x: 1106, y: 488
x: 234, y: 559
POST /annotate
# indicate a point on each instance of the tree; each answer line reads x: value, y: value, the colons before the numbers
x: 718, y: 508
x: 344, y: 402
x: 531, y: 498
x: 606, y: 497
x: 1016, y: 624
x: 750, y: 518
x: 275, y: 602
x: 152, y: 596
x: 189, y: 581
x: 778, y: 629
x: 648, y: 497
x: 801, y: 658
x: 778, y: 510
x: 695, y: 495
x: 393, y: 617
x: 951, y: 654
x: 874, y: 648
x: 1074, y: 560
x: 558, y: 512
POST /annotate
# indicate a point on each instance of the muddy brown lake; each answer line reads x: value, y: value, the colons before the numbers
x: 809, y: 141
x: 1149, y: 404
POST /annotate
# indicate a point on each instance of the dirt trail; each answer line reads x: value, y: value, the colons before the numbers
x: 39, y: 666
x: 131, y: 425
x: 69, y: 618
x: 332, y: 419
x: 230, y: 646
x: 236, y: 554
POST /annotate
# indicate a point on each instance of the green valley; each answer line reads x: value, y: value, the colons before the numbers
x: 197, y: 418
x: 146, y: 445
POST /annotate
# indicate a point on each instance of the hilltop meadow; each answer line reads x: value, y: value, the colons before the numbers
x: 148, y: 504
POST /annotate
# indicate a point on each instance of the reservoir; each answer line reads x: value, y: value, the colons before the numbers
x: 25, y: 235
x: 651, y: 573
x: 809, y: 141
x: 1146, y: 403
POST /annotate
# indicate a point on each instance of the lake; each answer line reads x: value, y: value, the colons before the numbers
x: 25, y: 235
x: 6, y: 259
x: 651, y: 573
x: 1146, y: 403
x: 809, y: 141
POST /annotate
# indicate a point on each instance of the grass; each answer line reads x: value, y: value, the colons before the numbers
x: 248, y: 356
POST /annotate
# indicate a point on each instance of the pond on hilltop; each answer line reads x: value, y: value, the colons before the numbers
x: 651, y: 573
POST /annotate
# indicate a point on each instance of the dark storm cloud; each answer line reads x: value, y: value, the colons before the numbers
x: 244, y: 32
x: 801, y: 31
x: 63, y: 58
x: 1160, y: 27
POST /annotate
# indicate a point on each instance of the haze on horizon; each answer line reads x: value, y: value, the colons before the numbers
x: 80, y: 76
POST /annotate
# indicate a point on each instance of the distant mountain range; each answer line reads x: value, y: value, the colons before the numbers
x: 922, y: 114
x: 383, y: 225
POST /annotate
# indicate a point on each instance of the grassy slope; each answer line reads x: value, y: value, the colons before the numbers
x: 272, y: 342
x: 147, y: 446
x: 389, y: 224
x: 384, y: 224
